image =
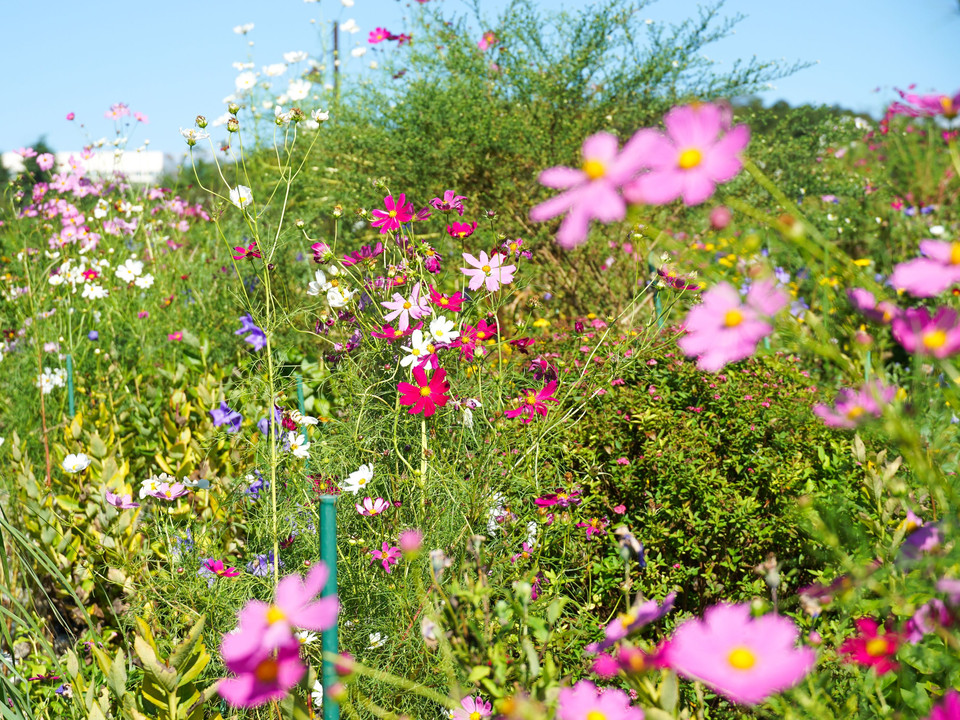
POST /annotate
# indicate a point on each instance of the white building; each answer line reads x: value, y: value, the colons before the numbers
x: 139, y: 166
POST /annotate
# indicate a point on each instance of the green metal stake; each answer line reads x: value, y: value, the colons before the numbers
x: 70, y: 399
x: 303, y: 408
x: 328, y: 554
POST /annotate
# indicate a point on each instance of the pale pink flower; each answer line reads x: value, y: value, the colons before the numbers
x: 698, y: 151
x: 584, y: 701
x: 928, y: 105
x: 262, y: 676
x: 489, y: 271
x: 45, y: 161
x: 372, y: 508
x: 721, y: 330
x: 743, y: 658
x: 930, y: 275
x: 472, y: 708
x: 854, y: 407
x: 591, y: 193
x: 407, y: 309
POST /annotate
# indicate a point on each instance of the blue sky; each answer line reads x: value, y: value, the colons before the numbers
x: 172, y: 59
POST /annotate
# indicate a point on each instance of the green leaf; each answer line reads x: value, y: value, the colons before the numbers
x: 533, y: 661
x: 97, y: 447
x: 479, y: 672
x: 163, y: 674
x: 185, y: 648
x: 669, y: 692
x: 117, y: 677
x: 656, y: 714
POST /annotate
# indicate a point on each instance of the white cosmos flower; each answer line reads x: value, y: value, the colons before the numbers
x: 75, y: 463
x: 144, y: 282
x: 274, y: 70
x: 356, y: 481
x: 350, y: 26
x: 299, y: 89
x: 130, y: 270
x: 246, y: 81
x: 298, y: 445
x: 338, y: 297
x: 417, y: 349
x: 317, y: 285
x: 443, y: 329
x: 295, y: 56
x: 243, y: 29
x: 320, y: 115
x: 358, y: 52
x: 193, y: 136
x: 376, y: 640
x: 317, y: 694
x: 346, y: 3
x: 241, y: 196
x: 93, y: 291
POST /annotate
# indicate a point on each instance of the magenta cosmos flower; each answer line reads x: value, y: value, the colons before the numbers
x: 854, y: 407
x: 378, y: 35
x: 450, y: 201
x: 265, y: 627
x: 371, y: 508
x: 629, y: 622
x: 721, y: 330
x: 922, y: 334
x: 698, y: 151
x: 592, y: 192
x: 949, y: 709
x: 534, y: 403
x: 487, y: 270
x: 872, y: 647
x: 407, y: 309
x: 929, y: 105
x: 930, y: 275
x: 866, y: 304
x: 584, y: 701
x: 263, y: 676
x: 426, y: 395
x: 388, y: 556
x: 743, y: 658
x: 398, y: 211
x: 472, y: 708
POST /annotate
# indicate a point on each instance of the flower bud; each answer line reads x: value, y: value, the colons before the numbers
x: 233, y: 108
x: 233, y: 125
x: 720, y: 217
x: 201, y: 122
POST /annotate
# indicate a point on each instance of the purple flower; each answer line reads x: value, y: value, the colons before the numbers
x: 93, y: 335
x: 451, y: 201
x: 223, y: 415
x: 257, y: 338
x: 866, y: 304
x: 853, y: 407
x: 262, y: 565
x: 259, y: 484
x: 926, y: 620
x: 629, y: 622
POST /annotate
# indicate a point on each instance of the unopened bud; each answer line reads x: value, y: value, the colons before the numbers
x: 233, y: 108
x: 233, y: 125
x: 337, y: 210
x: 201, y: 122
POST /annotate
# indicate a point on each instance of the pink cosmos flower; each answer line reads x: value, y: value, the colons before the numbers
x: 534, y: 403
x: 214, y: 569
x: 930, y: 275
x: 450, y: 201
x: 922, y: 334
x: 426, y: 395
x: 489, y: 271
x: 261, y: 676
x: 927, y: 619
x: 379, y: 35
x: 949, y: 709
x: 560, y: 497
x: 872, y: 648
x: 397, y: 211
x: 594, y: 526
x: 141, y: 117
x: 412, y: 308
x: 250, y: 251
x: 175, y: 337
x: 721, y: 330
x: 591, y: 193
x: 743, y: 658
x: 365, y: 254
x: 472, y: 708
x: 866, y: 304
x: 121, y: 502
x: 371, y: 508
x: 629, y: 622
x: 45, y: 161
x: 266, y: 627
x: 453, y: 303
x: 928, y: 105
x: 698, y: 151
x: 71, y: 116
x: 461, y: 230
x: 487, y: 41
x: 388, y: 556
x: 388, y: 333
x: 431, y: 260
x: 411, y: 541
x: 584, y: 701
x: 169, y: 491
x: 854, y: 407
x: 524, y: 554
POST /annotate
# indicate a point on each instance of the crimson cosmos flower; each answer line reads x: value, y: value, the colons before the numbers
x: 534, y: 403
x: 426, y: 395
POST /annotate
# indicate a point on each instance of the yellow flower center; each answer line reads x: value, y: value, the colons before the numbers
x: 627, y: 619
x: 689, y: 159
x: 415, y: 352
x: 393, y: 213
x: 431, y: 349
x: 407, y: 305
x: 424, y: 391
x: 594, y: 169
x: 854, y: 412
x: 948, y: 107
x: 742, y: 658
x: 275, y: 615
x: 513, y: 247
x: 733, y: 318
x: 877, y: 647
x: 481, y: 335
x: 486, y: 269
x: 637, y: 662
x: 531, y: 400
x: 362, y: 481
x: 267, y: 671
x: 934, y: 339
x: 334, y: 282
x: 444, y: 301
x: 475, y: 715
x: 596, y: 715
x: 955, y: 253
